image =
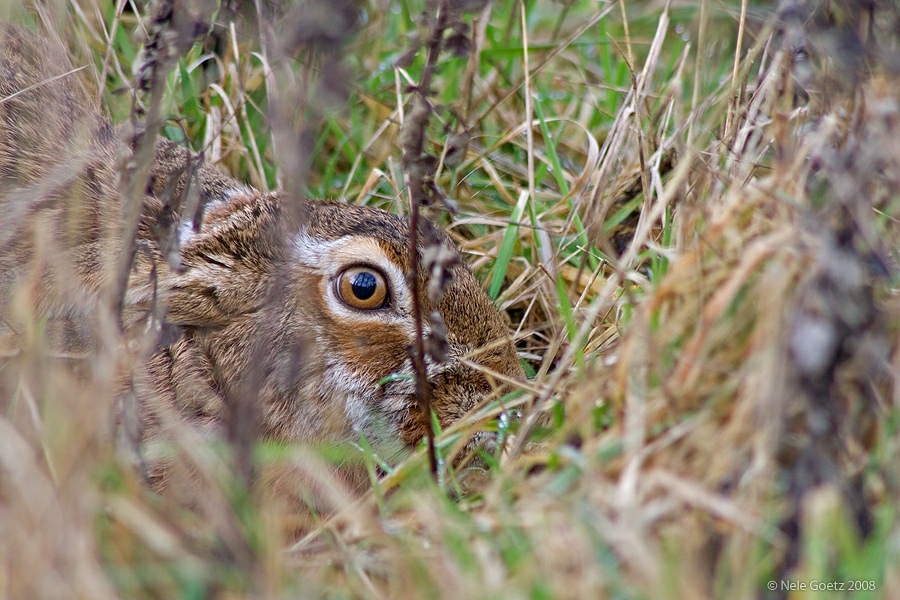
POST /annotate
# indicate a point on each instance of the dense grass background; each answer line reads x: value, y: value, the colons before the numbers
x: 688, y: 211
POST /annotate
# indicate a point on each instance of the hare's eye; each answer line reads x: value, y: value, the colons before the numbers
x: 363, y: 288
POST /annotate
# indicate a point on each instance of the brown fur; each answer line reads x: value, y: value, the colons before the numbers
x: 250, y: 311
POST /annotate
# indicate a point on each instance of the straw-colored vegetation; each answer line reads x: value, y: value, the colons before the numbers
x: 689, y: 212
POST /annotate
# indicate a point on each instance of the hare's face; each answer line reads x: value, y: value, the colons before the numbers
x: 347, y: 269
x: 332, y: 308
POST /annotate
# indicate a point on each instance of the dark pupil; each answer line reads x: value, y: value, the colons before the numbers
x: 364, y: 285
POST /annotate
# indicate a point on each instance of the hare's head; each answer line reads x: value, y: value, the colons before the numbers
x: 356, y: 260
x: 322, y: 312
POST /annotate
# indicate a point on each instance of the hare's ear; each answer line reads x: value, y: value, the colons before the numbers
x: 226, y: 266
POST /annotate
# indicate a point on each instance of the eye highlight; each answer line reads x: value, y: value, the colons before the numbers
x: 362, y: 287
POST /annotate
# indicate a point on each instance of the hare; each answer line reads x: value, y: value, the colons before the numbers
x: 307, y: 317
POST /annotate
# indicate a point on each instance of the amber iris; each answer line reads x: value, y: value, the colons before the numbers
x: 363, y: 288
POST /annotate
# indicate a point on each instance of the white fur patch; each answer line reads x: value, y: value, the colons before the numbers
x: 361, y: 409
x: 186, y: 226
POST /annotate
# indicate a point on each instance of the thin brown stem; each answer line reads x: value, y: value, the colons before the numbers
x: 423, y: 387
x: 136, y: 183
x: 434, y: 45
